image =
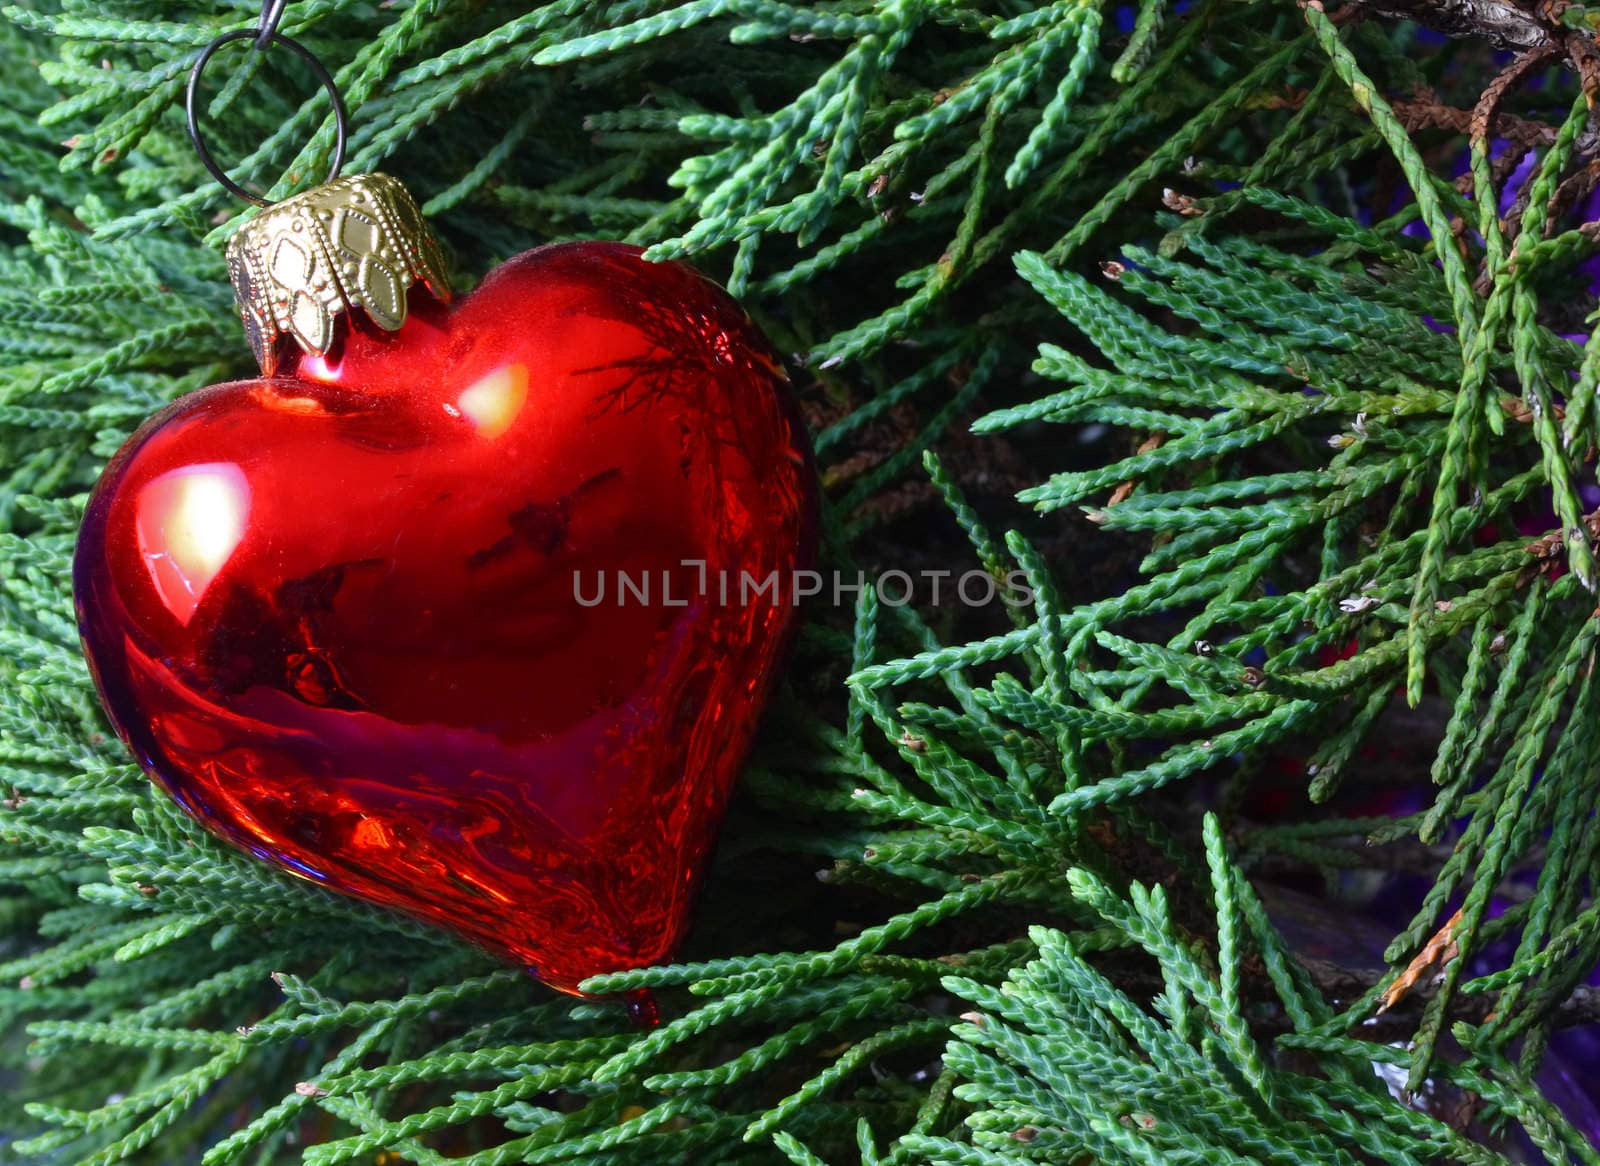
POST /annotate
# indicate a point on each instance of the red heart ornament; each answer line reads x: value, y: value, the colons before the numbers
x: 473, y: 619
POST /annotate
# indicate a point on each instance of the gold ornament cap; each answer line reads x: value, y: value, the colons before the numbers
x: 357, y: 242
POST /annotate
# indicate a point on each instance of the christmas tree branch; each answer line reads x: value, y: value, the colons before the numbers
x: 1282, y: 450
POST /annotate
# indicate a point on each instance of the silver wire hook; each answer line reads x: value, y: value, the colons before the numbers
x: 271, y: 17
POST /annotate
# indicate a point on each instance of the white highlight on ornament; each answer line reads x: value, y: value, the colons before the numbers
x: 315, y: 367
x: 189, y: 522
x: 492, y: 402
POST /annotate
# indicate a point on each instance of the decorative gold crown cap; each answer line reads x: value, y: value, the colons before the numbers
x: 356, y: 242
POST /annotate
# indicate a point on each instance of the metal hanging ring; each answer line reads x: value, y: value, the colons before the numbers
x: 264, y: 35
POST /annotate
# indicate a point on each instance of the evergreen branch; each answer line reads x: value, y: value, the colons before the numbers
x: 1303, y: 493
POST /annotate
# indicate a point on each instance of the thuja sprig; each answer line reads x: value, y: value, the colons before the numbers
x: 1322, y: 487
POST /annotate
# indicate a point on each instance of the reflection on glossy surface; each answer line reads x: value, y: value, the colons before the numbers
x: 189, y: 521
x: 492, y: 402
x: 334, y: 613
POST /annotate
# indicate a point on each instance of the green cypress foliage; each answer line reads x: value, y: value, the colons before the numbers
x: 1189, y: 325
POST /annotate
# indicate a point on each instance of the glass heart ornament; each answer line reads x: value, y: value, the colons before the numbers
x: 466, y: 609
